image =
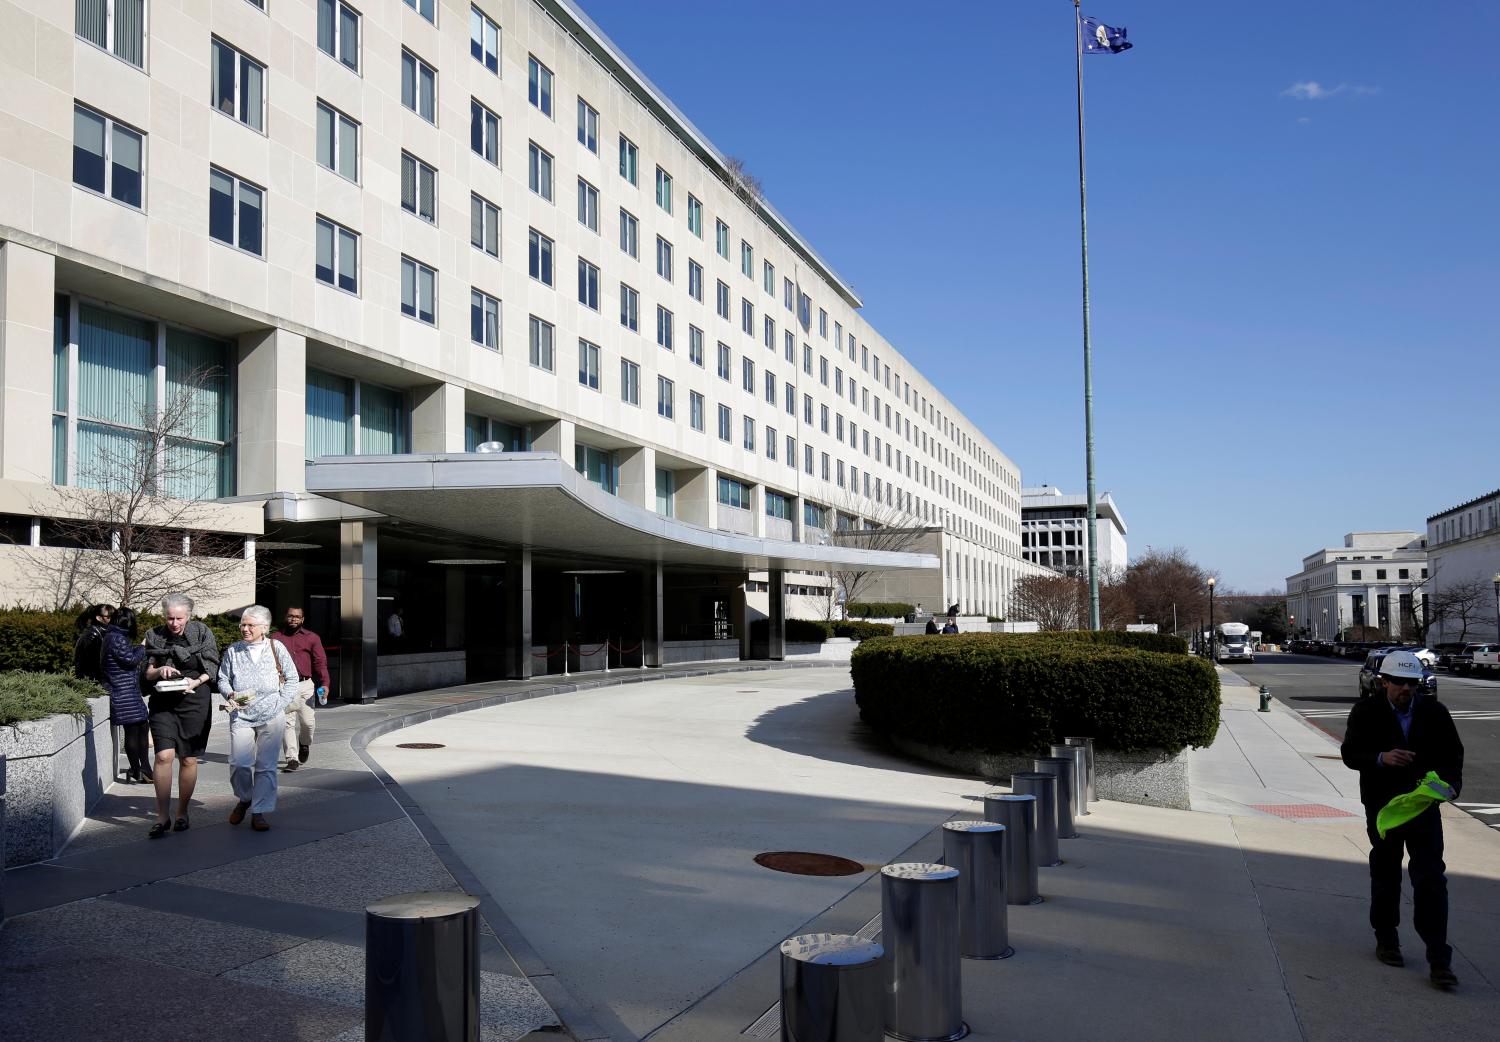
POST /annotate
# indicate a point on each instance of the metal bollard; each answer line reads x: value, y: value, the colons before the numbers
x: 1018, y: 814
x: 977, y: 850
x: 1080, y: 757
x: 1062, y: 766
x: 923, y: 989
x: 1044, y: 787
x: 831, y: 989
x: 422, y: 968
x: 1088, y: 743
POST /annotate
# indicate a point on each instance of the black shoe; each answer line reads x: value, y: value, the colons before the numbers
x: 303, y: 752
x: 160, y: 829
x: 1442, y: 976
x: 181, y: 824
x: 1390, y: 954
x: 291, y: 765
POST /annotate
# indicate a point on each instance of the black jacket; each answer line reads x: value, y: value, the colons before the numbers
x: 1373, y: 728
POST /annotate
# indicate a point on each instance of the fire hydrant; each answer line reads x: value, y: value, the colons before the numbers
x: 1265, y: 699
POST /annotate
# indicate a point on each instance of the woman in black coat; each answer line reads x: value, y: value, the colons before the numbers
x: 91, y: 624
x: 119, y: 668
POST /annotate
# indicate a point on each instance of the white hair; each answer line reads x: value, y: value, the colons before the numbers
x: 258, y: 614
x: 177, y: 600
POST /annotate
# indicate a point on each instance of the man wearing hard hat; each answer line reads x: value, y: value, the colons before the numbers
x: 1409, y: 759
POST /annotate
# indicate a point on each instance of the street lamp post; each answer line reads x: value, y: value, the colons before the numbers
x: 1497, y: 605
x: 1325, y: 620
x: 1211, y: 640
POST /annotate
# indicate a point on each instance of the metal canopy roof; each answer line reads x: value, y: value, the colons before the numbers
x: 533, y: 499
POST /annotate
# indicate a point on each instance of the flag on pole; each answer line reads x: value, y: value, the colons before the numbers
x: 1099, y: 38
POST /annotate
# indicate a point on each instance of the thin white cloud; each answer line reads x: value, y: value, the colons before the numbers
x: 1312, y: 90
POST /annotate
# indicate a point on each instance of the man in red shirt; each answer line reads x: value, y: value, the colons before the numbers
x: 306, y: 648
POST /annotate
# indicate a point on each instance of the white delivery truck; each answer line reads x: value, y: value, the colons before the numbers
x: 1232, y: 643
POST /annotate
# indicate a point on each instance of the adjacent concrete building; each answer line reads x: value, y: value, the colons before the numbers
x: 1463, y: 550
x: 1376, y: 579
x: 1054, y: 529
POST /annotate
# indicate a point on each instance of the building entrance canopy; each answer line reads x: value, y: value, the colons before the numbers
x: 536, y: 501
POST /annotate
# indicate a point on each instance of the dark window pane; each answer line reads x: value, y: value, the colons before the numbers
x: 221, y: 206
x: 326, y: 13
x: 250, y: 222
x: 88, y: 149
x: 476, y: 127
x: 349, y: 38
x: 125, y: 163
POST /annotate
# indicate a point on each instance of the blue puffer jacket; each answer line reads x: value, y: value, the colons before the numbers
x: 120, y: 663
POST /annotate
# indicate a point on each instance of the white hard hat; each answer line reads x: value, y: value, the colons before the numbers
x: 1402, y: 664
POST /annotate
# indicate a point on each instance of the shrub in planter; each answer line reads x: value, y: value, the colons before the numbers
x: 1015, y: 693
x: 43, y: 640
x: 807, y: 631
x: 878, y: 609
x: 857, y: 630
x: 31, y: 696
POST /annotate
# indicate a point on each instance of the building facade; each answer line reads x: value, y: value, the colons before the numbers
x: 1376, y: 579
x: 1054, y: 529
x: 1463, y: 549
x: 411, y: 230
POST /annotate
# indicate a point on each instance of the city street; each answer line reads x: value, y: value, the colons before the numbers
x: 1324, y: 689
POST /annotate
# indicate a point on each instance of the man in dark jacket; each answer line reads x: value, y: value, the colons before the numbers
x: 1393, y: 741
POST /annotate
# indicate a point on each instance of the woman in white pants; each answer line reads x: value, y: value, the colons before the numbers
x: 257, y: 680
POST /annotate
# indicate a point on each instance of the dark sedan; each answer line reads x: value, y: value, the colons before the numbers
x: 1371, y: 669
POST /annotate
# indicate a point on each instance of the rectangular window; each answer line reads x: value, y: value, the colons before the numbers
x: 338, y: 142
x: 484, y: 132
x: 721, y: 238
x: 791, y: 398
x: 823, y: 371
x: 539, y: 171
x: 588, y: 365
x: 664, y: 491
x: 540, y: 257
x: 418, y: 188
x: 235, y: 211
x: 664, y: 328
x: 770, y: 380
x: 695, y: 410
x: 484, y: 225
x: 807, y: 359
x: 721, y: 299
x: 789, y: 344
x: 108, y: 157
x: 418, y: 86
x: 724, y: 361
x: 338, y: 32
x: 337, y: 255
x: 749, y: 442
x: 588, y: 284
x: 695, y: 280
x: 770, y: 332
x: 588, y: 205
x: 630, y: 308
x: 823, y: 418
x: 726, y: 428
x: 484, y: 319
x: 484, y: 40
x: 786, y: 293
x: 768, y: 277
x: 791, y: 451
x: 588, y: 126
x: 747, y: 375
x: 239, y: 86
x: 822, y: 323
x: 747, y: 259
x: 771, y: 455
x: 629, y: 160
x: 664, y: 189
x: 807, y: 458
x: 695, y: 215
x: 807, y: 409
x: 666, y: 393
x: 695, y: 346
x: 539, y: 86
x: 599, y: 466
x: 629, y: 234
x: 425, y: 8
x: 630, y: 382
x: 418, y: 291
x: 747, y: 317
x: 733, y: 493
x: 541, y: 344
x: 823, y: 459
x: 118, y: 26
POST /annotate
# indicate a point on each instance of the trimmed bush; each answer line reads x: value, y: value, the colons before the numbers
x: 807, y: 631
x: 862, y: 630
x: 31, y: 696
x: 878, y: 609
x: 43, y: 640
x: 1017, y: 693
x: 1163, y: 642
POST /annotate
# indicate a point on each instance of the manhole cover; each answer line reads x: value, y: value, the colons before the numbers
x: 419, y: 745
x: 804, y: 863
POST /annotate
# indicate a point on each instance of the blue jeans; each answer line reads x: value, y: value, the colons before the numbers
x: 1422, y: 841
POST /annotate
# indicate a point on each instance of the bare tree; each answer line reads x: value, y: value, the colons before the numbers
x: 1465, y: 603
x: 1053, y: 602
x: 1167, y: 582
x: 135, y: 525
x: 745, y: 184
x: 887, y: 528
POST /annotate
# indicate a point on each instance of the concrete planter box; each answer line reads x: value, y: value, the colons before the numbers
x: 56, y: 769
x: 675, y: 651
x: 1158, y: 779
x: 839, y: 649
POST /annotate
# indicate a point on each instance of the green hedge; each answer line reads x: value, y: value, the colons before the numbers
x: 862, y: 630
x: 1163, y: 642
x: 31, y: 696
x: 808, y: 631
x: 1017, y: 693
x: 878, y: 609
x: 43, y: 640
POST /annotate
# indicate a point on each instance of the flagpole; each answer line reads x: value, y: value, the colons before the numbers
x: 1088, y: 359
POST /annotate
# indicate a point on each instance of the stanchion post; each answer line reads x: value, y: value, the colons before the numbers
x: 1092, y: 793
x: 422, y: 968
x: 1044, y: 787
x: 977, y: 850
x: 831, y: 987
x: 923, y: 989
x: 1080, y: 757
x: 1018, y: 814
x: 1067, y: 826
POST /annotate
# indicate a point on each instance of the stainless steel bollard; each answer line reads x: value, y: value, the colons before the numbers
x: 1018, y: 814
x: 422, y: 968
x: 1067, y: 824
x: 1080, y: 756
x: 831, y: 987
x: 1088, y: 743
x: 1044, y: 787
x: 923, y: 990
x: 977, y: 850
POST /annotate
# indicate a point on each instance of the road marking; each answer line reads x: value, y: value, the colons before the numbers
x: 1457, y: 714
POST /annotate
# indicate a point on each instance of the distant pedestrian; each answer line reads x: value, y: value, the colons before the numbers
x: 932, y: 626
x: 119, y: 671
x: 185, y: 655
x: 951, y: 626
x: 257, y: 680
x: 1393, y: 741
x: 312, y: 666
x: 395, y: 627
x: 91, y: 624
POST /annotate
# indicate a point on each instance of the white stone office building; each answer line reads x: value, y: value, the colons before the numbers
x: 1463, y: 550
x: 396, y: 230
x: 1376, y: 579
x: 1054, y: 529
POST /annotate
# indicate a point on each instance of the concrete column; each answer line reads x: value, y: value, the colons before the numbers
x: 795, y: 506
x: 651, y: 616
x: 358, y: 611
x: 27, y: 285
x: 517, y: 594
x: 638, y: 477
x: 272, y: 413
x: 437, y: 419
x: 739, y: 618
x: 554, y: 436
x: 758, y: 511
x: 698, y: 496
x: 776, y: 614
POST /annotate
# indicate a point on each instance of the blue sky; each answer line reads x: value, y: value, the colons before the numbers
x: 1292, y: 224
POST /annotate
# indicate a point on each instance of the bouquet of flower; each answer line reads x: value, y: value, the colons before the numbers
x: 236, y: 700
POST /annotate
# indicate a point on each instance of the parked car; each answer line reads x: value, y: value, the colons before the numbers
x: 1371, y: 669
x: 1463, y: 660
x: 1446, y: 653
x: 1485, y: 657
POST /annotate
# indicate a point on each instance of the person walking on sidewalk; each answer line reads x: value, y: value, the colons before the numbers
x: 184, y: 652
x: 257, y: 679
x: 312, y: 666
x: 1393, y: 742
x: 119, y: 673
